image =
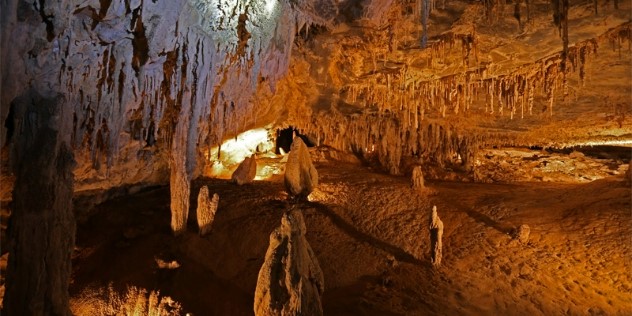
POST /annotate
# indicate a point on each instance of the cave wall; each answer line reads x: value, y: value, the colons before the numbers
x: 149, y: 84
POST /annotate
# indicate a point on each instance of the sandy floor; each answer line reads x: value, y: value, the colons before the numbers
x: 369, y: 232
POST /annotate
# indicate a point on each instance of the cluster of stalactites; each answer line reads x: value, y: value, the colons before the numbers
x: 402, y: 91
x: 383, y: 138
x: 135, y: 84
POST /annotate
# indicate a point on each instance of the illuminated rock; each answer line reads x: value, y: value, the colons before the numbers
x: 417, y: 178
x: 301, y: 176
x: 206, y: 209
x: 436, y: 234
x: 179, y: 187
x: 246, y: 171
x: 166, y: 264
x: 290, y: 281
x: 522, y: 233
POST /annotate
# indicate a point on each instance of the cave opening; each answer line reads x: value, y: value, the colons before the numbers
x: 285, y: 136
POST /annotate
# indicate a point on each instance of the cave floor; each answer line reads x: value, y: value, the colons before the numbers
x: 370, y: 233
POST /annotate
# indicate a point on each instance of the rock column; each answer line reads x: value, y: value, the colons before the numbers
x: 42, y: 225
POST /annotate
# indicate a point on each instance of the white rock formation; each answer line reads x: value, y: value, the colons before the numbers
x: 246, y: 171
x: 301, y: 176
x: 290, y: 281
x: 436, y: 234
x: 206, y: 209
x: 150, y: 85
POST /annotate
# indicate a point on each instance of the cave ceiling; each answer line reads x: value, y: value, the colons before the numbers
x: 146, y: 84
x: 493, y: 69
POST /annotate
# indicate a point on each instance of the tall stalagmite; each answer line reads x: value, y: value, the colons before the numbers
x: 179, y: 185
x: 290, y: 281
x: 301, y: 176
x: 42, y: 225
x: 436, y: 234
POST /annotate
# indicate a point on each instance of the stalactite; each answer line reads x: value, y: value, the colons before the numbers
x: 424, y: 22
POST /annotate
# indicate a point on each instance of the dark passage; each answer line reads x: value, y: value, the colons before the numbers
x: 284, y: 139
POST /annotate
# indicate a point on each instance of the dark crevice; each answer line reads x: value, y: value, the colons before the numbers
x: 285, y: 137
x: 103, y: 9
x: 9, y: 124
x: 121, y: 84
x: 48, y: 20
x: 139, y: 40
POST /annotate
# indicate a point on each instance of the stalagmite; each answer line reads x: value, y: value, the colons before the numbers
x: 417, y: 178
x: 179, y: 185
x: 290, y: 281
x: 301, y: 176
x: 206, y: 209
x: 436, y: 234
x: 42, y: 224
x: 246, y: 171
x: 522, y: 234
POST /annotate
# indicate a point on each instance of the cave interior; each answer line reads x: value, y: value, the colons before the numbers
x: 316, y: 157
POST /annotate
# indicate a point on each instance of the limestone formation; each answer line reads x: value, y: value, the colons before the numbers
x: 141, y: 75
x: 206, y: 210
x: 301, y: 176
x: 417, y: 178
x: 246, y: 171
x: 179, y: 185
x: 522, y: 233
x: 290, y: 281
x: 42, y: 224
x: 436, y: 234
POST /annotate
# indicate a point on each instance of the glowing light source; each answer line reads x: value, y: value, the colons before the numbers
x: 225, y: 158
x: 235, y: 150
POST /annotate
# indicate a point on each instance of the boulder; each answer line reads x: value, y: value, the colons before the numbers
x: 246, y: 171
x: 290, y: 281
